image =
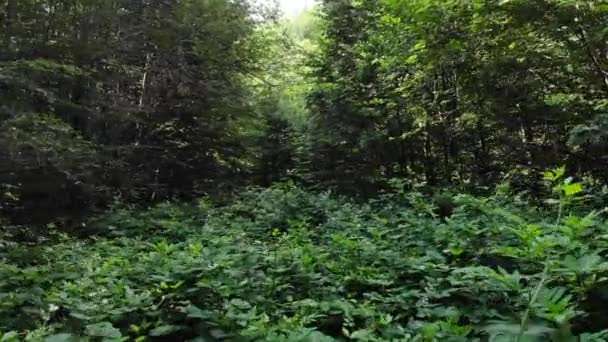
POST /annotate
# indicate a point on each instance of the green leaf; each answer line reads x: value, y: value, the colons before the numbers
x: 572, y: 189
x: 103, y: 329
x: 456, y: 251
x: 588, y: 263
x: 559, y: 172
x: 499, y: 328
x: 510, y: 216
x: 60, y: 338
x: 193, y: 311
x: 241, y: 304
x: 548, y: 175
x: 554, y: 174
x: 165, y: 330
x: 420, y: 45
x: 596, y: 337
x: 411, y: 59
x: 9, y: 336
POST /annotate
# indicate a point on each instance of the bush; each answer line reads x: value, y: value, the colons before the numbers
x: 283, y: 264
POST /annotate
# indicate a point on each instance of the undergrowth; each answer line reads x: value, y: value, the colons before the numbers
x: 283, y: 264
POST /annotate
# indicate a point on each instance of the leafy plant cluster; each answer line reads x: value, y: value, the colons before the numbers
x: 284, y: 264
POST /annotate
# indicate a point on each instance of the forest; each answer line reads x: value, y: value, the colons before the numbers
x: 366, y: 170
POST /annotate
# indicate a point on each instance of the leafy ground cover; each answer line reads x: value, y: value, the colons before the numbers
x: 283, y: 264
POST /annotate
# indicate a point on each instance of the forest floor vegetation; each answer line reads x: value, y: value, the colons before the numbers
x: 285, y: 264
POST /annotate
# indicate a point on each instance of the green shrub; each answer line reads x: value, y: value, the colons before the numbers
x: 283, y: 264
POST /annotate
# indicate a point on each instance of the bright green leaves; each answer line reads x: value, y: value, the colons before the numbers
x: 164, y: 286
x: 566, y: 190
x: 535, y: 242
x: 529, y: 233
x: 140, y: 328
x: 419, y: 46
x: 555, y: 174
x: 163, y: 247
x: 455, y: 251
x: 572, y: 189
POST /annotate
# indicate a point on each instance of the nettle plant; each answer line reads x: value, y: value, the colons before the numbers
x: 571, y: 268
x: 291, y: 265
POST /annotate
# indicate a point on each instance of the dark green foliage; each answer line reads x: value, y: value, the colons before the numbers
x: 142, y: 100
x: 277, y: 157
x: 282, y: 264
x: 366, y: 171
x: 48, y: 170
x: 445, y: 206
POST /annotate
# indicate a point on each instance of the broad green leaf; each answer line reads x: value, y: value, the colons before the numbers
x: 195, y: 312
x: 103, y: 329
x: 11, y: 336
x: 420, y: 45
x: 572, y: 189
x: 60, y: 338
x: 586, y: 264
x: 241, y: 304
x: 456, y: 251
x: 559, y: 172
x: 413, y: 59
x: 165, y: 330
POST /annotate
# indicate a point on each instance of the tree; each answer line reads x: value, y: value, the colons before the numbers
x: 156, y: 89
x: 454, y: 91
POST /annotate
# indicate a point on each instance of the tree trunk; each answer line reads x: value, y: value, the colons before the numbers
x: 428, y: 157
x: 403, y: 157
x: 9, y: 22
x: 50, y: 21
x: 144, y: 81
x: 446, y: 155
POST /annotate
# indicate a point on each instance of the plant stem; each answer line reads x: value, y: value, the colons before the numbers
x: 559, y: 212
x: 526, y: 316
x: 543, y: 278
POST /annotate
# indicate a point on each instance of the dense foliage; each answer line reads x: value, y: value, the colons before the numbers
x: 142, y: 99
x: 282, y: 264
x: 371, y: 170
x: 155, y: 100
x: 458, y: 91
